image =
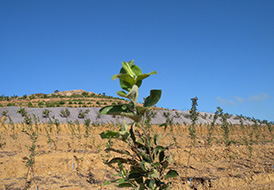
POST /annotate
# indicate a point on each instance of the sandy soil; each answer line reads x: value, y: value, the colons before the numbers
x: 77, y: 162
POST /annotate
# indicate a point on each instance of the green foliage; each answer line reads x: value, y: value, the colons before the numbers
x: 5, y: 113
x: 248, y: 145
x: 270, y: 129
x: 64, y: 113
x: 10, y: 104
x: 45, y: 113
x: 62, y: 102
x: 31, y: 129
x: 147, y: 159
x: 210, y: 128
x: 194, y: 117
x: 85, y: 94
x: 169, y: 121
x: 82, y: 114
x: 225, y: 125
x: 40, y: 104
x: 30, y: 105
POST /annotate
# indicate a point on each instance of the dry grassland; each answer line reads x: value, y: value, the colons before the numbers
x: 76, y: 162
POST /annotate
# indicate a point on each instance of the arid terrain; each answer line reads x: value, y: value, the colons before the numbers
x: 73, y: 160
x: 55, y: 147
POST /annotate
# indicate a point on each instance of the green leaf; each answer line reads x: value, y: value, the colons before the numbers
x: 143, y: 165
x: 130, y: 63
x: 123, y: 110
x: 122, y: 180
x: 157, y: 138
x: 150, y: 183
x: 113, y: 110
x: 135, y: 175
x: 128, y: 69
x: 141, y: 187
x: 154, y: 174
x: 153, y: 98
x: 136, y: 70
x: 158, y: 149
x: 121, y: 185
x: 164, y: 125
x: 118, y: 160
x: 107, y: 182
x: 161, y: 156
x: 125, y: 85
x: 124, y: 135
x: 109, y: 134
x: 122, y: 94
x: 145, y: 156
x: 145, y: 75
x: 124, y: 76
x: 132, y: 135
x: 118, y: 151
x: 171, y: 173
x: 141, y: 109
x: 139, y: 83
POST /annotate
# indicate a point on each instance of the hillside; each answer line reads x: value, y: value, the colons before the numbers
x: 77, y: 101
x: 72, y: 99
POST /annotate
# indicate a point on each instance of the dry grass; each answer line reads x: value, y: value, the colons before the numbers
x: 211, y: 167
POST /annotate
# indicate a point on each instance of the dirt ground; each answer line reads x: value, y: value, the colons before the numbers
x: 77, y: 162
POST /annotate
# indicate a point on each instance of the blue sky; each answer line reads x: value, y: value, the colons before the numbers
x: 218, y: 50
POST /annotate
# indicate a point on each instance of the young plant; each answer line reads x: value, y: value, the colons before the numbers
x: 225, y: 125
x: 192, y: 128
x: 147, y: 159
x: 270, y: 129
x: 256, y: 129
x: 30, y: 130
x: 169, y: 121
x: 2, y: 140
x: 45, y: 113
x: 82, y: 114
x: 210, y: 128
x: 194, y: 117
x: 87, y: 130
x: 65, y: 113
x: 244, y: 136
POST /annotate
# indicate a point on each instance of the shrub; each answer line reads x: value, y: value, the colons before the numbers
x: 5, y: 113
x: 45, y: 113
x: 64, y: 113
x: 82, y: 114
x: 85, y: 94
x: 40, y: 104
x: 62, y: 102
x: 50, y: 104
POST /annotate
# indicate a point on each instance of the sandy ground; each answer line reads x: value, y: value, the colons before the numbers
x: 77, y: 162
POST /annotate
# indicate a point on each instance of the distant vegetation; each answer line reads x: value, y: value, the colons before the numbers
x: 61, y: 99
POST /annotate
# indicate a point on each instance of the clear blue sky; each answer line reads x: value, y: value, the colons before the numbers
x: 218, y: 50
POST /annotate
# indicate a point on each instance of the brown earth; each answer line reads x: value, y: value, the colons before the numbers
x: 210, y: 167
